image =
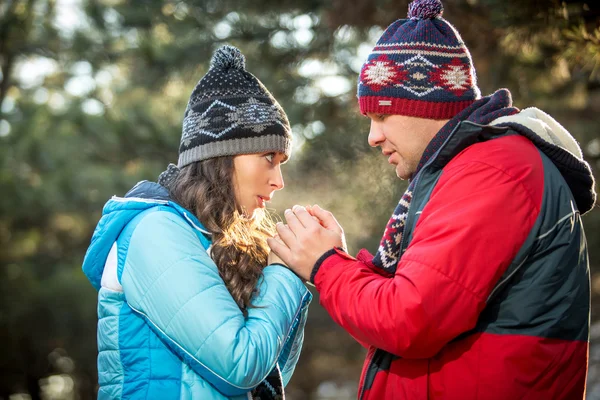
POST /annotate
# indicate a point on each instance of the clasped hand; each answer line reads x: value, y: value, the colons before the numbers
x: 309, y: 233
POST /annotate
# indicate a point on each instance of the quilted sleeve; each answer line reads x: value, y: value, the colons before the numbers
x: 291, y: 350
x: 170, y: 280
x: 473, y: 226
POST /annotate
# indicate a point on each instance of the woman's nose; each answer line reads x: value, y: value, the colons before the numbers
x: 277, y: 179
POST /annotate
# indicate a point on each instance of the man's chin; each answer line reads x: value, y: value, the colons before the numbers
x: 402, y: 175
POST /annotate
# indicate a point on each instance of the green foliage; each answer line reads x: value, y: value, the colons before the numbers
x: 91, y: 101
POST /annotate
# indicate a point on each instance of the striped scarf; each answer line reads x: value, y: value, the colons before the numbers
x: 271, y: 388
x: 482, y: 112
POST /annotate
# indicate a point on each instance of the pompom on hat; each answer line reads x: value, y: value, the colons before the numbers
x: 420, y: 67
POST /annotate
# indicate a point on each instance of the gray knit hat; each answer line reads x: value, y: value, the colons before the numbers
x: 231, y: 112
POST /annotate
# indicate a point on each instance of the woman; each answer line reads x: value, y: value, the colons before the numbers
x: 187, y: 308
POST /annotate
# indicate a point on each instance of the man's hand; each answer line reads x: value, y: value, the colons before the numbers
x: 305, y: 238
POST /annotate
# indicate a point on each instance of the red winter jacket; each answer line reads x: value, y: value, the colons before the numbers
x: 490, y: 299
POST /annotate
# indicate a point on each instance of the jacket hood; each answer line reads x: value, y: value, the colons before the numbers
x: 117, y: 213
x: 558, y: 144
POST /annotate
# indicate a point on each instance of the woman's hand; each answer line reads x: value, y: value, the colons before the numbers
x: 274, y: 258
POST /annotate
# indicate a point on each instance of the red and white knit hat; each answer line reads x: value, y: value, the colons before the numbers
x: 420, y: 67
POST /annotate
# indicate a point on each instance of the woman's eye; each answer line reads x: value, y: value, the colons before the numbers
x: 381, y: 117
x: 269, y: 157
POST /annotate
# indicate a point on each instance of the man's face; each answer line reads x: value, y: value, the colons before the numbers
x: 402, y: 139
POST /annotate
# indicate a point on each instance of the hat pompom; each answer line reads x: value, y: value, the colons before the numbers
x: 227, y: 57
x: 425, y: 9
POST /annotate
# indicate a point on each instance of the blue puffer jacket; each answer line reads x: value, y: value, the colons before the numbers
x: 167, y: 326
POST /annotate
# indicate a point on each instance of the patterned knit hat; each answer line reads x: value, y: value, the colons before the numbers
x: 231, y: 112
x: 420, y: 67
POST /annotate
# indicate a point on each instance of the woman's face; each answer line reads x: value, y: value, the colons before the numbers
x: 256, y: 177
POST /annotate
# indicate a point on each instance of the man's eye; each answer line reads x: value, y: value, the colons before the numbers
x: 269, y: 157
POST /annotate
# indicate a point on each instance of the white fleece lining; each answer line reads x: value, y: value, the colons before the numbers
x: 545, y: 127
x: 109, y: 275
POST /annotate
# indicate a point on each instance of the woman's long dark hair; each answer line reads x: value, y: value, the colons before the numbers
x: 239, y: 246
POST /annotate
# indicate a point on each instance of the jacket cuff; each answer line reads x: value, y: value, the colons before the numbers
x: 326, y: 255
x: 278, y: 264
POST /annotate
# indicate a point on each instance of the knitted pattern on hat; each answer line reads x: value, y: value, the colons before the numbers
x: 481, y: 112
x: 420, y: 67
x: 231, y: 112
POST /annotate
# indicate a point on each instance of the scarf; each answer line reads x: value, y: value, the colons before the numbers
x: 271, y: 388
x: 483, y: 111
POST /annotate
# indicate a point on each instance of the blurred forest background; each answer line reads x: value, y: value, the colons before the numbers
x: 92, y: 93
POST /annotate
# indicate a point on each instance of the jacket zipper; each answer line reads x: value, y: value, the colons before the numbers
x: 364, y: 380
x: 406, y: 223
x: 402, y: 242
x: 402, y: 248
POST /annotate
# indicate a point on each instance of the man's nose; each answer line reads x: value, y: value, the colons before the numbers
x: 375, y: 135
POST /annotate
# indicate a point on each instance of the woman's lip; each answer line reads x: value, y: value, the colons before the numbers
x: 262, y: 201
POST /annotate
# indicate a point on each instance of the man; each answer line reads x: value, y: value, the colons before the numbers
x: 480, y: 286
